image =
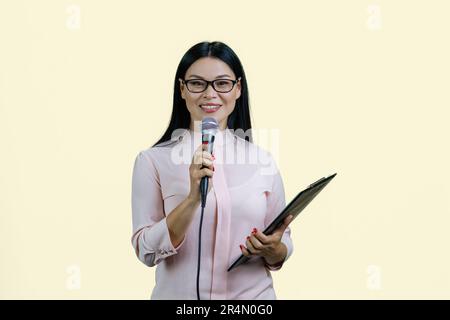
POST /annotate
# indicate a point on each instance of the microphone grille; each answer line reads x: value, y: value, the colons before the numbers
x: 209, y: 123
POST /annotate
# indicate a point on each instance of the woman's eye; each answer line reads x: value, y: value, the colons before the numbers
x: 222, y: 83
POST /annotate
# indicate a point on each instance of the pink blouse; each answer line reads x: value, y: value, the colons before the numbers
x: 247, y: 191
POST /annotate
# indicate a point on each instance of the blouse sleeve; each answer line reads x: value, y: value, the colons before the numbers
x: 275, y: 204
x: 150, y: 239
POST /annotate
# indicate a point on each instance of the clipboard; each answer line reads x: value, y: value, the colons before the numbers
x: 293, y: 208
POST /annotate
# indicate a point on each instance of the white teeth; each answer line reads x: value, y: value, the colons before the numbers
x: 209, y: 107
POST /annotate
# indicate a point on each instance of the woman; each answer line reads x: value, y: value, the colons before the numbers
x: 244, y: 195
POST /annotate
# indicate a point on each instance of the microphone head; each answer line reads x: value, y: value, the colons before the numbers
x: 209, y: 125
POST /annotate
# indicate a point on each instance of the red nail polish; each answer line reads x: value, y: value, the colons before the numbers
x: 254, y: 231
x: 248, y: 238
x: 213, y: 169
x: 240, y: 246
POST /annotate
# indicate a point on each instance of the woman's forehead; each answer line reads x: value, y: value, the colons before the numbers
x: 209, y: 67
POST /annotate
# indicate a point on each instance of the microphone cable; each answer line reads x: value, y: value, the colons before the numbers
x: 199, y: 251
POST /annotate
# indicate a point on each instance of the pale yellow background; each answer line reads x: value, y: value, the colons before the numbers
x: 368, y: 101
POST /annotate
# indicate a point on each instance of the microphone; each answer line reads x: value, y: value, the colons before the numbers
x: 209, y: 129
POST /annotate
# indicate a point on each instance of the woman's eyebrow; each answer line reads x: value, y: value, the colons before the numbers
x: 221, y: 76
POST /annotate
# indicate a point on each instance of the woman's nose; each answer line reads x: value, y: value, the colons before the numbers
x: 210, y: 92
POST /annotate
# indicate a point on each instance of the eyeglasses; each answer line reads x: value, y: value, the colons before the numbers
x: 200, y: 85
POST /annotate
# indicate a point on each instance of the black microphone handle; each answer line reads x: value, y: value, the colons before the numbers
x: 205, y: 181
x: 204, y: 190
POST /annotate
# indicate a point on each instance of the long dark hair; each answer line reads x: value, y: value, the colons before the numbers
x: 181, y: 118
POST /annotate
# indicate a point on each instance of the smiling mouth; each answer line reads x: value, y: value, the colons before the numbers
x: 207, y: 108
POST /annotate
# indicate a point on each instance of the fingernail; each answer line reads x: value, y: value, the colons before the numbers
x: 214, y: 158
x: 240, y: 246
x: 248, y: 238
x: 213, y: 168
x: 254, y: 230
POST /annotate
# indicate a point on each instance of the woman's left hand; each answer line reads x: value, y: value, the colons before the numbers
x: 269, y: 247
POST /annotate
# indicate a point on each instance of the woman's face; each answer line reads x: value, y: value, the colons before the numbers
x: 200, y: 104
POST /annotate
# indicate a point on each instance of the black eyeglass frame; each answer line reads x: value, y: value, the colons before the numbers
x: 210, y: 83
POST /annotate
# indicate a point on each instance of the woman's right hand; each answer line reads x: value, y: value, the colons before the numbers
x: 201, y: 165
